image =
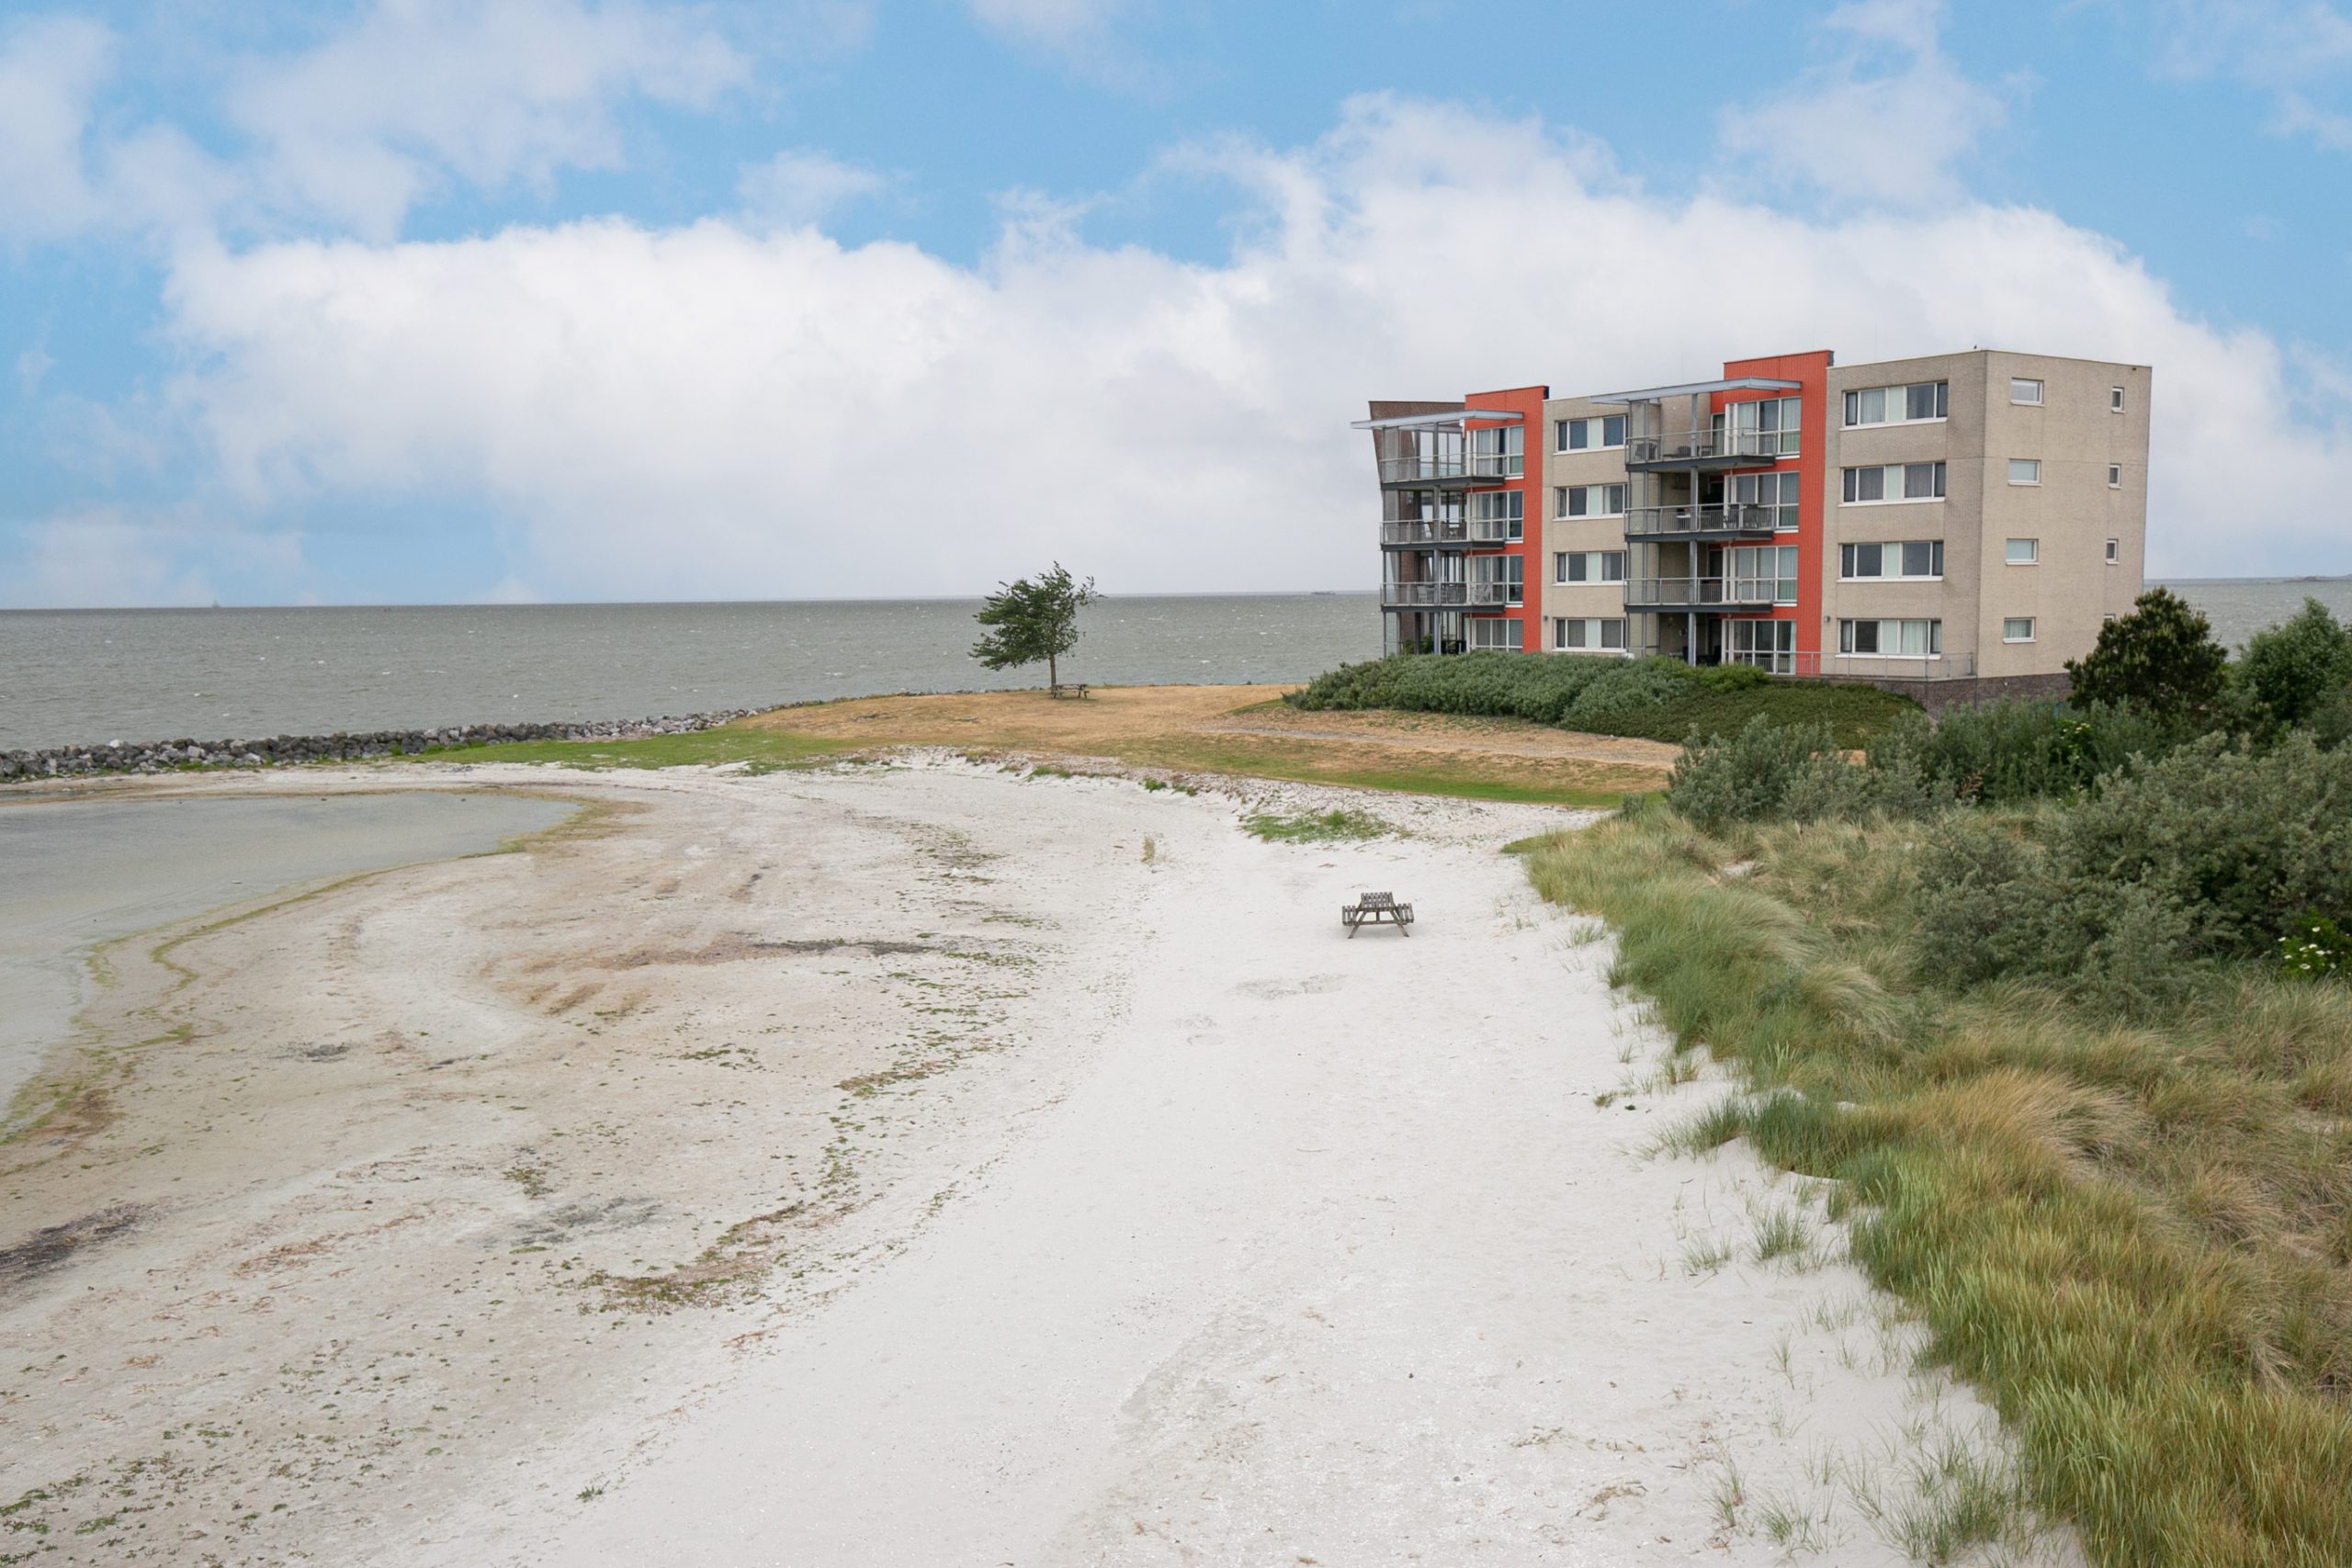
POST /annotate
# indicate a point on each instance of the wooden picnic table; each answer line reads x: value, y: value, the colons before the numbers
x: 1376, y: 908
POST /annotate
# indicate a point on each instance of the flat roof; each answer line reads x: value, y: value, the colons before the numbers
x: 1443, y: 416
x: 1690, y: 388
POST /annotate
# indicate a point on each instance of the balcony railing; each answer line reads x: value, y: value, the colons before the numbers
x: 1432, y: 532
x: 1887, y: 665
x: 1702, y: 592
x: 1435, y: 596
x: 1702, y: 447
x: 1731, y: 518
x: 1423, y: 595
x: 1449, y: 467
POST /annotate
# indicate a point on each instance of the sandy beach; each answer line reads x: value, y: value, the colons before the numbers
x: 911, y: 1163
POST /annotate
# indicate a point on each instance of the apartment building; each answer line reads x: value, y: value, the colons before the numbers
x: 1965, y: 516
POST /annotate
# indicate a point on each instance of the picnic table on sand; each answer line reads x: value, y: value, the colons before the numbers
x: 1375, y: 908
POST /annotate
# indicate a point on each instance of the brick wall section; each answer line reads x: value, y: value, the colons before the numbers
x: 1937, y: 697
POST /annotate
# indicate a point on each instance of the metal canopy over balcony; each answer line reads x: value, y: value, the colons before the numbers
x: 1698, y: 389
x: 1706, y: 522
x: 1432, y: 451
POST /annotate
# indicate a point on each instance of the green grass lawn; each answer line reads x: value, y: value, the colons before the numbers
x: 762, y: 750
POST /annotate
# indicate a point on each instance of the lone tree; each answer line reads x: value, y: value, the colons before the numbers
x: 2161, y: 658
x: 1030, y: 621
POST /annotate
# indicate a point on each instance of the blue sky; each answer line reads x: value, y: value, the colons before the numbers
x: 421, y: 300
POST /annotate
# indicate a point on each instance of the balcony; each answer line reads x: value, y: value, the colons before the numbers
x: 1702, y: 592
x: 1698, y: 522
x: 1707, y: 450
x: 1447, y: 470
x: 1423, y: 595
x: 1426, y: 533
x: 1448, y: 596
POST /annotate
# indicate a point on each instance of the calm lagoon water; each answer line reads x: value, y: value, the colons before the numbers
x: 93, y: 675
x: 74, y: 874
x: 89, y: 675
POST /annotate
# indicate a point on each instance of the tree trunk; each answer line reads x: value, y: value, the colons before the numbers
x: 1053, y: 674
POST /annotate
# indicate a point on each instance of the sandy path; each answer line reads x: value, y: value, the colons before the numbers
x: 1076, y: 1208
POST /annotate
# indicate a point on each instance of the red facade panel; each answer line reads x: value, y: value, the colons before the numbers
x: 1528, y: 403
x: 1811, y: 372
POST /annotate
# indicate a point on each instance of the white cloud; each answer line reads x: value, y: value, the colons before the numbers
x: 709, y: 410
x: 365, y: 124
x: 1882, y: 123
x: 33, y: 367
x: 51, y: 69
x: 798, y: 187
x: 2288, y: 49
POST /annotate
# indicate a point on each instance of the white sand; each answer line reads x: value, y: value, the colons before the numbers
x: 1170, y: 1225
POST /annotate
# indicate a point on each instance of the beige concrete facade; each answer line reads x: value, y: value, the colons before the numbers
x: 2075, y: 438
x: 1598, y: 532
x: 2085, y: 510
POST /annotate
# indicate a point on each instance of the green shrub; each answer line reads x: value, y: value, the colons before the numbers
x: 2199, y: 856
x: 1794, y: 773
x: 2243, y: 839
x: 2292, y: 672
x: 2010, y: 751
x: 2160, y: 660
x: 1650, y: 699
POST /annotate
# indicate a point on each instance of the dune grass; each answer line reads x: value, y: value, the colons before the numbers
x: 760, y: 749
x: 1315, y: 826
x: 2135, y: 1241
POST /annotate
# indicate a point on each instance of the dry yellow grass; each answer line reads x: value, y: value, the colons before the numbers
x: 1247, y: 730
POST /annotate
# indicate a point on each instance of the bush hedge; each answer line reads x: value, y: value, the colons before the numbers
x: 1649, y: 699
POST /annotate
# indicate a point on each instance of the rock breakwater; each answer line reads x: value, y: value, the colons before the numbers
x: 280, y: 751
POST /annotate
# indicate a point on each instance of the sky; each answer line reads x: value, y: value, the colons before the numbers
x: 429, y: 302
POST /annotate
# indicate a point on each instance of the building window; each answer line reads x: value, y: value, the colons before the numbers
x: 2115, y: 399
x: 1770, y: 645
x: 2114, y: 556
x: 1498, y: 580
x: 1587, y: 501
x: 1769, y: 427
x: 1495, y: 631
x: 1777, y: 490
x: 1893, y: 481
x: 2025, y: 470
x: 2017, y: 629
x: 1766, y: 574
x: 2024, y: 391
x: 2022, y: 552
x: 1590, y: 636
x: 1497, y: 516
x: 1911, y: 640
x: 1915, y: 560
x: 1589, y: 434
x: 1589, y: 566
x: 2115, y: 476
x: 1497, y: 452
x: 1898, y: 405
